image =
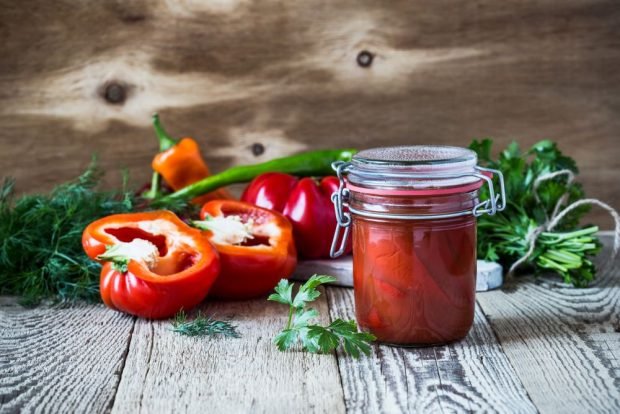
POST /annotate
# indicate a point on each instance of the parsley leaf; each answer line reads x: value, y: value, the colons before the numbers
x: 355, y: 341
x: 286, y: 339
x: 324, y: 337
x: 307, y: 291
x: 303, y: 317
x: 284, y: 293
x: 316, y: 338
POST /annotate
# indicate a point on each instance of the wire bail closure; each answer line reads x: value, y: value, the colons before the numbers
x: 343, y: 218
x: 340, y: 198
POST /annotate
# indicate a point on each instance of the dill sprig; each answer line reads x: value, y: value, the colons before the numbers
x: 202, y: 325
x: 41, y: 254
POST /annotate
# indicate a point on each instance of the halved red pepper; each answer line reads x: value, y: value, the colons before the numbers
x: 305, y: 202
x: 255, y: 245
x: 154, y: 263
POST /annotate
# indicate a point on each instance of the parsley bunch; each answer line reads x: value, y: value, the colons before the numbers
x: 315, y: 338
x: 504, y: 236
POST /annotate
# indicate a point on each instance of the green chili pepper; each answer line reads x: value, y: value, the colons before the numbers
x: 313, y: 163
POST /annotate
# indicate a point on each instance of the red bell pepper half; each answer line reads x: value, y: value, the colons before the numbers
x: 255, y: 245
x: 153, y: 263
x: 305, y: 202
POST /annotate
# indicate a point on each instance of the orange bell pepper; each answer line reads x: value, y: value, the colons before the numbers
x: 255, y: 244
x: 180, y: 163
x: 154, y: 263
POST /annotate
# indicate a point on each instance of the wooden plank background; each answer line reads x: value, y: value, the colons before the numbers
x: 253, y: 80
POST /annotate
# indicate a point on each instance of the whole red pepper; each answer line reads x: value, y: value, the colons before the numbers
x: 255, y: 245
x: 153, y: 263
x: 305, y: 202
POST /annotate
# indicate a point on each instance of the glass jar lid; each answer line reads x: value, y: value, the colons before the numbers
x: 413, y: 167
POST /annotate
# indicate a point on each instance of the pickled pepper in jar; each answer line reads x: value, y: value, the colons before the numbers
x: 412, y: 212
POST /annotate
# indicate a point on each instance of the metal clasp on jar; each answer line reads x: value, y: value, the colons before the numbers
x: 340, y: 199
x: 495, y: 203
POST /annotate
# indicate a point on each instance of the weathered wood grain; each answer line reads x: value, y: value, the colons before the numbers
x: 558, y: 346
x: 473, y: 375
x: 78, y: 78
x: 564, y: 343
x: 60, y: 359
x: 166, y: 372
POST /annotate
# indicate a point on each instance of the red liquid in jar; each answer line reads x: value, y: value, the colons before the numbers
x: 415, y: 279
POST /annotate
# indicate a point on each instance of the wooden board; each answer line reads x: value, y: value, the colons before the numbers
x: 473, y: 375
x: 564, y: 343
x: 252, y: 80
x: 165, y: 372
x: 61, y: 359
x: 341, y: 269
x: 489, y: 274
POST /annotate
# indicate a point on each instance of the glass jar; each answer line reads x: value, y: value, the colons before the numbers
x: 413, y: 212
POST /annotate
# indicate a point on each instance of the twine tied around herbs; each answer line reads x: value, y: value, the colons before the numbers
x: 557, y: 215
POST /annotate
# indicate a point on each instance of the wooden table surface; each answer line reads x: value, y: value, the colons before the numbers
x: 535, y: 346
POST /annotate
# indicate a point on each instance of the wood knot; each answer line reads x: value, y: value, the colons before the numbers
x: 114, y: 93
x: 257, y: 149
x: 365, y: 58
x: 132, y: 18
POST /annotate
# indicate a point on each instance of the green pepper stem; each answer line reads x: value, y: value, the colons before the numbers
x: 313, y: 163
x: 202, y: 224
x: 153, y: 192
x: 165, y: 140
x: 119, y: 260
